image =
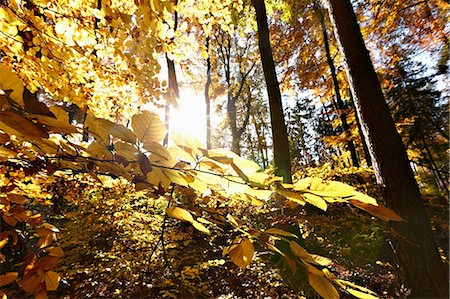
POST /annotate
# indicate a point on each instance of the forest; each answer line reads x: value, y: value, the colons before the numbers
x: 224, y: 149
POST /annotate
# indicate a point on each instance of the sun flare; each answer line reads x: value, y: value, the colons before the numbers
x: 189, y: 118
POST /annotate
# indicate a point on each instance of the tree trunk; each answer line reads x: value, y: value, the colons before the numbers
x: 436, y: 172
x: 361, y: 135
x: 207, y: 100
x: 422, y: 268
x: 340, y: 109
x: 280, y: 141
x: 174, y: 92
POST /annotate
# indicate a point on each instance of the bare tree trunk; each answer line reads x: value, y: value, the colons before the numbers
x: 207, y: 99
x: 361, y: 135
x: 422, y: 268
x: 340, y: 109
x: 439, y: 179
x: 279, y: 134
x: 174, y: 92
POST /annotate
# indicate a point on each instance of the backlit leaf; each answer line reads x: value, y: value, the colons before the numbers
x: 148, y: 127
x: 323, y: 286
x: 10, y: 81
x: 381, y: 212
x: 280, y: 232
x: 15, y: 124
x: 200, y: 227
x: 242, y: 254
x: 180, y: 214
x: 51, y: 280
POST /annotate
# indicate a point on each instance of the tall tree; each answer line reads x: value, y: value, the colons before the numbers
x: 422, y: 268
x: 338, y: 103
x: 173, y: 91
x: 207, y: 99
x: 279, y: 134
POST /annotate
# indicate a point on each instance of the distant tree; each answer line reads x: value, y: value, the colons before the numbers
x: 279, y: 134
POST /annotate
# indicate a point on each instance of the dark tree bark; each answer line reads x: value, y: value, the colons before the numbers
x: 422, y: 268
x: 279, y: 134
x: 173, y: 92
x: 339, y: 103
x: 207, y: 99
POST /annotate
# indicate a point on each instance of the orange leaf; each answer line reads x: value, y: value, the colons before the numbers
x: 51, y: 280
x: 30, y: 282
x: 381, y: 212
x: 55, y: 251
x: 10, y: 220
x: 8, y: 278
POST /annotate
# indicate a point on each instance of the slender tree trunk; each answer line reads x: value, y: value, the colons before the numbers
x: 174, y: 93
x: 422, y: 268
x: 280, y: 141
x: 439, y: 179
x: 207, y: 99
x: 340, y: 109
x: 361, y: 135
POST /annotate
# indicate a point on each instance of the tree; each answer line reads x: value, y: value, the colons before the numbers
x: 415, y: 247
x: 279, y: 134
x: 338, y: 102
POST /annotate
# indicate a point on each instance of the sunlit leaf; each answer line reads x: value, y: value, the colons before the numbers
x: 10, y: 81
x: 242, y: 254
x: 280, y: 232
x: 323, y: 286
x: 356, y: 290
x: 51, y: 280
x: 180, y: 214
x: 381, y: 212
x: 14, y: 124
x: 148, y: 127
x: 200, y: 227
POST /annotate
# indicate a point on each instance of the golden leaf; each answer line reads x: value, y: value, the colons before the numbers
x: 10, y: 81
x: 242, y: 254
x: 14, y: 124
x: 55, y: 251
x: 51, y: 280
x: 8, y: 278
x: 381, y: 212
x: 280, y: 232
x: 323, y: 286
x: 180, y: 214
x: 200, y: 227
x: 148, y: 127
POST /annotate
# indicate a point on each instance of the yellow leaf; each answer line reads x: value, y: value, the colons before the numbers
x: 8, y: 278
x: 319, y: 260
x: 315, y: 200
x: 356, y: 290
x: 51, y: 280
x: 323, y: 286
x: 298, y: 250
x: 200, y: 227
x: 148, y: 127
x: 10, y: 81
x: 3, y: 243
x: 242, y: 254
x: 280, y: 232
x: 180, y: 214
